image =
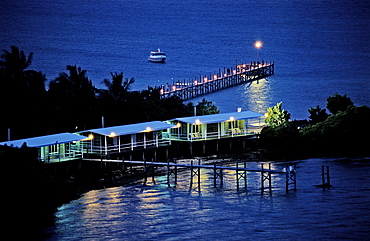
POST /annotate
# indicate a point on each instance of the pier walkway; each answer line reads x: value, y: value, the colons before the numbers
x: 224, y: 78
x: 240, y: 172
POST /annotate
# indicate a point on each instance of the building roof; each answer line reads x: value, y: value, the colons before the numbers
x: 48, y: 140
x: 131, y: 129
x: 217, y: 118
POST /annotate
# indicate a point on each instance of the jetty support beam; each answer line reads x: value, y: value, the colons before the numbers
x: 290, y: 178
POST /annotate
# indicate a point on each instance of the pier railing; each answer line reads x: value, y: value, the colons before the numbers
x: 224, y: 78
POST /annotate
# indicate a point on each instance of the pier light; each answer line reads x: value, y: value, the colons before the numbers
x: 112, y: 134
x: 215, y: 76
x: 258, y: 44
x: 178, y: 125
x: 161, y: 91
x: 225, y: 75
x: 173, y: 88
x: 205, y: 79
x: 234, y: 71
x: 90, y: 137
x: 195, y: 82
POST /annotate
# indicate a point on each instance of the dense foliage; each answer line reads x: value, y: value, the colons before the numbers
x: 72, y: 103
x: 343, y: 132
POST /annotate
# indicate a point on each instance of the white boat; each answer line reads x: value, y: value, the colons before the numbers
x: 157, y: 56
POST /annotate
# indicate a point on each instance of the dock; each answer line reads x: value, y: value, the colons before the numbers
x: 224, y: 78
x: 240, y: 172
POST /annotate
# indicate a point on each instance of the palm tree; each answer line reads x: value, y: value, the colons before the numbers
x: 15, y: 62
x: 22, y: 91
x: 73, y: 95
x: 118, y: 88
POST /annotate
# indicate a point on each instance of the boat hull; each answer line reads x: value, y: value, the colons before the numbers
x: 157, y: 60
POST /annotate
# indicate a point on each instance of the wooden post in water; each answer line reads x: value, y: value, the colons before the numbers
x: 145, y: 171
x: 245, y: 176
x: 153, y: 172
x: 214, y: 175
x: 237, y: 174
x: 290, y: 172
x: 262, y: 179
x: 199, y: 174
x: 325, y: 183
x: 191, y: 173
x: 269, y: 177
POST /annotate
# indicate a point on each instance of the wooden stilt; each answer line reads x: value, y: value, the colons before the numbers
x: 145, y: 172
x: 290, y: 178
x: 325, y: 181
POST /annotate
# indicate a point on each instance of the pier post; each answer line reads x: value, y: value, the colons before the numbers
x: 153, y: 172
x: 237, y: 174
x: 199, y: 174
x: 325, y: 183
x: 191, y: 173
x: 216, y: 174
x: 145, y: 172
x: 290, y: 178
x: 245, y: 176
x: 168, y: 172
x: 262, y: 179
x: 195, y: 173
x: 265, y: 176
x: 269, y: 177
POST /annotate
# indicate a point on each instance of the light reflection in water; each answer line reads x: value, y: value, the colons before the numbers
x: 159, y: 212
x: 257, y: 96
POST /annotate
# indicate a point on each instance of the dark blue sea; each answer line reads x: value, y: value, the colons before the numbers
x: 320, y: 47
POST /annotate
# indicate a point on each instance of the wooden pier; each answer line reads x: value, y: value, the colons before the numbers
x: 224, y: 78
x: 240, y: 172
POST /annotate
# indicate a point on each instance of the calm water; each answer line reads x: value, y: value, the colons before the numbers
x: 157, y: 212
x: 319, y: 47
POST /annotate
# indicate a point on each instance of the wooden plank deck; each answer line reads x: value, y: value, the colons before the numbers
x: 202, y: 85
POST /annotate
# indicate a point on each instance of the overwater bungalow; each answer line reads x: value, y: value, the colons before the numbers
x: 216, y: 126
x: 53, y: 148
x: 132, y: 137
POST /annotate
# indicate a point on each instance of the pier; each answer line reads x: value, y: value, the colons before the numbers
x: 224, y: 78
x: 240, y: 172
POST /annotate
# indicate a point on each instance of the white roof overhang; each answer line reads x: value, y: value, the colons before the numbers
x: 131, y: 128
x: 48, y: 140
x: 217, y: 118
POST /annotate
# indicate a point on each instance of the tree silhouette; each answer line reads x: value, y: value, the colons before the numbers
x: 118, y: 88
x: 15, y: 62
x: 73, y: 98
x: 317, y: 115
x: 205, y: 107
x: 21, y: 91
x: 338, y: 102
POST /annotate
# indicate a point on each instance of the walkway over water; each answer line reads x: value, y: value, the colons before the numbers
x: 240, y: 171
x: 223, y: 79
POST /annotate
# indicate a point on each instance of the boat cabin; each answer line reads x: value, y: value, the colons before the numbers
x: 217, y: 126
